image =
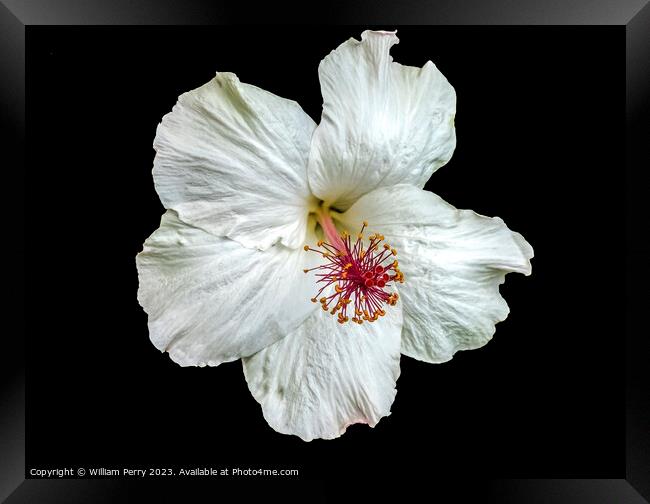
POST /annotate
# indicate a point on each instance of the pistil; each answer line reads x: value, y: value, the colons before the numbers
x: 354, y: 278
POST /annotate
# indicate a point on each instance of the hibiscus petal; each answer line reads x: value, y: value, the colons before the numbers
x: 326, y: 376
x: 383, y: 123
x: 211, y: 300
x: 232, y: 160
x: 453, y: 262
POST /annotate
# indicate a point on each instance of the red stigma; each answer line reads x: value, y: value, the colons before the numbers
x: 358, y: 275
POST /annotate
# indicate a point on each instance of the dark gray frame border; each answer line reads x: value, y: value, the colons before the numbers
x: 17, y: 15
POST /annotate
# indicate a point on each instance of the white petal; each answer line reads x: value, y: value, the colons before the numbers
x: 383, y: 123
x: 453, y: 262
x: 211, y: 300
x: 326, y: 376
x: 232, y: 160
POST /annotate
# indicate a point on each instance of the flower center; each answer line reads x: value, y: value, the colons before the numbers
x: 358, y: 274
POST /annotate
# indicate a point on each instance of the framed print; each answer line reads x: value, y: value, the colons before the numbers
x: 175, y: 167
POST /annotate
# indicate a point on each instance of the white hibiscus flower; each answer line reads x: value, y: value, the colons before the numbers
x: 248, y: 179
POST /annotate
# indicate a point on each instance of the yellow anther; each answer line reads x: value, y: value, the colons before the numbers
x: 325, y: 308
x: 320, y: 243
x: 360, y: 236
x: 365, y: 223
x: 306, y: 270
x: 395, y: 263
x: 313, y: 300
x: 306, y: 247
x: 386, y: 246
x: 323, y: 300
x: 344, y: 275
x: 338, y: 289
x: 392, y: 299
x: 393, y: 251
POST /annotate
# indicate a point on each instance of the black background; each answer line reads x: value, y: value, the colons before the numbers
x: 539, y: 124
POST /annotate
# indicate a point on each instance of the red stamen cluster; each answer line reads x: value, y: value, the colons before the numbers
x: 358, y: 275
